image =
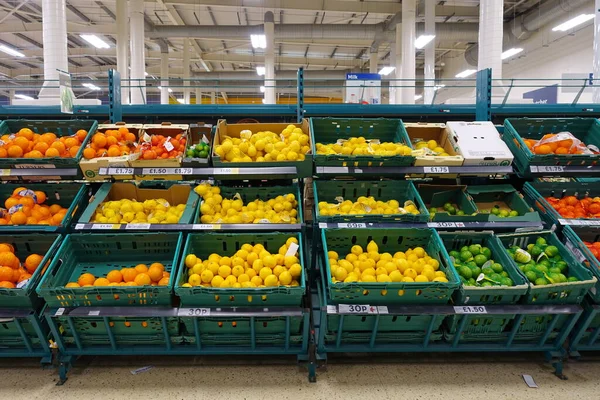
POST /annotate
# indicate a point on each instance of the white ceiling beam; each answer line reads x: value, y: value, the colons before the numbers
x: 72, y: 27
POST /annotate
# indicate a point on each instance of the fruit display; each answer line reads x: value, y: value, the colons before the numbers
x: 428, y: 148
x: 476, y: 267
x: 291, y: 144
x: 111, y: 143
x: 200, y: 150
x: 27, y: 144
x: 594, y: 248
x: 281, y: 209
x: 367, y: 205
x: 357, y: 146
x: 572, y: 207
x: 140, y: 275
x: 541, y: 263
x: 14, y: 273
x: 559, y: 143
x: 152, y: 147
x: 453, y: 209
x: 368, y: 265
x: 449, y: 208
x: 249, y: 267
x: 126, y: 211
x: 28, y: 207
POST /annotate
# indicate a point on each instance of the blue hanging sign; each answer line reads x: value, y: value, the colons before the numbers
x: 350, y: 76
x: 545, y: 95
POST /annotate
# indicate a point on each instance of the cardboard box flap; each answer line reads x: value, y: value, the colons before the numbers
x: 491, y: 188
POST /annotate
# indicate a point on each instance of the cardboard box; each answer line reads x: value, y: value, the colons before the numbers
x: 486, y: 197
x: 90, y: 168
x: 438, y: 132
x: 479, y: 143
x: 196, y: 134
x: 165, y: 129
x: 435, y: 196
x: 175, y: 195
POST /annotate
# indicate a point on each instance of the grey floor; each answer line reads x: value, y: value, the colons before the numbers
x: 406, y: 377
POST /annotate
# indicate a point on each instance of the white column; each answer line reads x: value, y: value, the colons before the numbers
x: 398, y: 63
x: 186, y: 70
x: 122, y: 49
x: 54, y: 29
x: 270, y: 58
x: 392, y: 75
x: 164, y: 78
x: 198, y: 95
x: 429, y: 52
x: 596, y: 66
x: 373, y: 58
x: 409, y: 13
x: 491, y: 13
x: 138, y: 58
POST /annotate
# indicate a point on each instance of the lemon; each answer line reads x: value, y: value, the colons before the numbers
x: 225, y: 284
x: 256, y: 280
x: 243, y: 278
x: 390, y: 266
x: 172, y: 219
x: 440, y: 279
x: 198, y: 268
x: 186, y: 285
x: 399, y: 255
x: 224, y: 271
x: 213, y: 267
x: 340, y: 273
x: 206, y: 276
x: 250, y: 272
x: 225, y: 261
x: 264, y: 272
x: 270, y: 280
x: 257, y: 265
x: 295, y: 270
x: 356, y: 250
x: 351, y: 257
x: 407, y: 279
x: 278, y: 270
x: 419, y: 252
x: 421, y: 278
x: 383, y: 278
x: 440, y: 274
x: 237, y: 261
x: 373, y: 255
x: 231, y: 279
x: 194, y: 280
x: 191, y: 260
x: 285, y: 278
x: 410, y: 273
x: 269, y: 261
x: 237, y: 270
x: 435, y: 264
x: 395, y: 276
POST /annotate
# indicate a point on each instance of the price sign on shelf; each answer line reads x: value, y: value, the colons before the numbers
x: 106, y: 226
x: 446, y: 225
x: 184, y: 171
x: 157, y: 171
x: 137, y: 226
x: 470, y: 310
x: 357, y: 309
x: 352, y: 225
x: 120, y: 171
x: 550, y: 168
x: 225, y: 171
x: 193, y: 312
x: 436, y: 170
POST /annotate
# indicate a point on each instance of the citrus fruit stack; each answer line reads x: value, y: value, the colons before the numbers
x: 290, y: 145
x: 112, y: 143
x: 429, y: 147
x: 558, y: 143
x: 367, y: 205
x: 26, y: 207
x: 359, y: 146
x: 216, y: 209
x: 12, y: 271
x: 199, y: 150
x: 125, y: 211
x: 250, y: 267
x: 572, y: 207
x: 473, y: 261
x: 368, y: 265
x: 140, y: 275
x: 594, y: 248
x: 159, y: 146
x: 27, y: 144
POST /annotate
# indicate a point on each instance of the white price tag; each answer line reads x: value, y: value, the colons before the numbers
x: 352, y: 225
x: 59, y: 312
x: 357, y: 309
x: 184, y: 171
x: 79, y: 226
x: 120, y: 171
x: 93, y: 313
x: 157, y: 171
x: 578, y: 254
x: 105, y: 226
x: 137, y: 226
x: 446, y: 225
x: 331, y: 309
x: 382, y: 309
x: 224, y: 171
x: 550, y: 168
x: 436, y: 170
x: 563, y: 221
x: 470, y: 310
x: 168, y: 145
x: 193, y: 312
x: 207, y: 227
x: 292, y: 250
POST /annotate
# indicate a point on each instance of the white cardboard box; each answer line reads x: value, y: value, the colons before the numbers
x: 479, y: 143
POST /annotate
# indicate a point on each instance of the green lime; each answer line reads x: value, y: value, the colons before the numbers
x: 503, y: 213
x: 464, y: 248
x: 199, y: 147
x: 447, y: 206
x: 460, y: 213
x: 540, y: 241
x: 466, y: 272
x: 554, y: 270
x: 455, y: 254
x: 541, y: 268
x: 465, y: 255
x: 572, y: 279
x: 451, y: 210
x: 475, y: 249
x: 541, y: 282
x: 480, y: 259
x: 203, y: 154
x: 562, y: 278
x: 513, y: 213
x: 522, y: 268
x: 471, y: 281
x: 433, y: 210
x: 531, y: 275
x: 487, y: 271
x: 497, y: 267
x: 190, y: 153
x: 486, y: 284
x: 506, y: 282
x: 530, y: 246
x: 535, y: 251
x: 527, y: 267
x: 495, y: 210
x: 504, y: 274
x: 551, y: 251
x: 553, y: 277
x: 545, y: 263
x: 476, y: 271
x: 486, y: 252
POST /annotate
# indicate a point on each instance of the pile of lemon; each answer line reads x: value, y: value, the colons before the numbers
x: 430, y: 147
x: 367, y: 205
x: 290, y: 145
x: 125, y: 211
x: 250, y: 267
x: 216, y: 209
x: 413, y: 265
x: 359, y: 146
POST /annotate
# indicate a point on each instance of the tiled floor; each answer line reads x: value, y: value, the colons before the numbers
x: 409, y: 377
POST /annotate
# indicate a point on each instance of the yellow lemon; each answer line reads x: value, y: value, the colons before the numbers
x: 264, y: 272
x: 372, y: 247
x: 195, y: 280
x: 356, y: 250
x: 410, y: 273
x: 206, y: 276
x: 285, y: 278
x: 395, y: 276
x: 216, y: 281
x: 271, y: 280
x: 295, y: 270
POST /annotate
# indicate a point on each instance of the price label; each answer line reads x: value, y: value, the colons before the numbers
x: 470, y: 310
x: 59, y: 312
x: 550, y: 168
x: 96, y: 312
x: 446, y: 225
x: 578, y: 254
x: 157, y: 171
x: 331, y: 309
x: 225, y: 171
x: 79, y: 227
x: 184, y: 171
x: 193, y: 312
x: 436, y: 170
x: 120, y: 171
x: 106, y: 226
x: 357, y: 309
x: 206, y: 227
x: 4, y: 172
x: 137, y: 226
x: 352, y: 225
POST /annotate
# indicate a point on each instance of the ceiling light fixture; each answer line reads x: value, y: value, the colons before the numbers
x: 465, y: 73
x: 260, y: 71
x: 573, y: 22
x: 386, y: 70
x: 91, y: 86
x: 418, y: 96
x: 259, y: 41
x: 95, y: 41
x: 423, y: 40
x: 23, y: 97
x: 438, y: 87
x: 11, y: 51
x: 262, y: 89
x: 511, y: 52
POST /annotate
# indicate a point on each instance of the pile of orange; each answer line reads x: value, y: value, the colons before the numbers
x: 112, y: 143
x: 27, y: 144
x: 160, y: 146
x: 547, y: 146
x: 26, y: 207
x: 140, y: 275
x: 572, y: 207
x: 12, y: 271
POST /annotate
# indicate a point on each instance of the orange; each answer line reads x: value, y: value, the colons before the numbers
x: 27, y: 201
x: 44, y: 211
x: 41, y: 147
x: 159, y: 265
x: 52, y: 152
x: 155, y: 273
x: 123, y: 130
x: 34, y: 154
x: 8, y: 259
x: 71, y: 141
x: 543, y: 149
x: 72, y: 284
x: 89, y: 153
x: 7, y: 285
x: 114, y: 276
x: 129, y: 274
x: 22, y: 142
x: 57, y: 218
x: 3, y: 221
x: 101, y: 282
x: 99, y: 140
x: 26, y: 133
x: 124, y: 150
x: 31, y: 221
x: 142, y: 279
x: 163, y: 282
x: 101, y: 152
x: 10, y: 202
x: 6, y: 247
x: 74, y: 150
x: 166, y: 274
x: 111, y: 140
x: 41, y: 196
x: 81, y: 134
x: 17, y: 274
x: 130, y: 137
x: 27, y: 210
x: 18, y: 218
x: 149, y: 155
x: 561, y: 150
x: 141, y: 268
x: 3, y: 152
x: 15, y: 151
x: 54, y: 208
x: 86, y: 279
x: 48, y: 138
x: 6, y: 274
x: 113, y: 134
x: 60, y: 146
x: 32, y: 262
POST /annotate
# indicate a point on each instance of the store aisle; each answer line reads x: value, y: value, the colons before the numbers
x: 417, y: 378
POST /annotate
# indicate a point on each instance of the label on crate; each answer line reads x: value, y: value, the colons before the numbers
x: 352, y: 225
x: 59, y: 312
x: 94, y: 313
x: 79, y: 227
x: 549, y: 168
x: 184, y: 171
x: 206, y: 227
x: 4, y: 172
x: 331, y: 309
x: 357, y: 309
x: 436, y: 170
x: 578, y: 254
x: 292, y: 250
x: 137, y: 226
x: 106, y: 226
x: 120, y: 171
x: 446, y: 224
x: 382, y: 309
x: 193, y: 312
x: 225, y: 171
x: 470, y: 310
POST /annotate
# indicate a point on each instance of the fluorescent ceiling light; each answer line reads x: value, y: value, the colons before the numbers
x: 260, y: 71
x: 10, y: 51
x: 418, y: 96
x: 169, y: 89
x: 95, y: 41
x: 262, y: 89
x: 23, y: 97
x: 465, y: 73
x: 423, y: 40
x: 511, y: 52
x: 180, y: 100
x: 259, y: 41
x: 386, y: 70
x: 91, y: 86
x: 573, y: 22
x: 437, y: 87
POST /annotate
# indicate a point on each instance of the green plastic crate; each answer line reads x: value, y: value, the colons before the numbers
x: 204, y: 244
x: 58, y: 127
x: 390, y: 240
x: 385, y: 323
x: 558, y: 293
x: 330, y: 191
x: 487, y: 196
x: 25, y: 245
x: 241, y: 325
x: 486, y: 295
x: 382, y: 338
x: 438, y: 195
x: 574, y: 237
x: 71, y: 196
x: 264, y: 193
x: 10, y: 336
x: 479, y: 327
x: 244, y: 340
x: 517, y: 129
x: 100, y: 253
x: 330, y: 130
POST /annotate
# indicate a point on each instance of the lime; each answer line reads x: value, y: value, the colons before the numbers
x: 486, y: 284
x: 462, y: 279
x: 464, y: 248
x: 465, y: 255
x: 562, y: 265
x: 496, y: 277
x: 531, y: 275
x: 466, y: 272
x: 497, y: 267
x: 455, y: 254
x: 480, y: 259
x: 506, y: 282
x: 451, y: 210
x: 486, y: 252
x: 504, y: 274
x: 433, y: 210
x: 540, y: 282
x: 447, y: 206
x: 503, y: 213
x: 190, y: 153
x: 572, y: 279
x: 522, y: 268
x: 460, y: 213
x: 487, y: 271
x: 545, y: 263
x: 495, y: 210
x: 554, y: 270
x: 551, y: 251
x: 540, y: 241
x: 535, y: 251
x: 476, y: 271
x: 527, y: 267
x: 542, y: 268
x: 471, y: 281
x: 475, y: 249
x: 562, y: 278
x: 513, y: 213
x: 529, y: 246
x: 203, y: 154
x: 553, y: 277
